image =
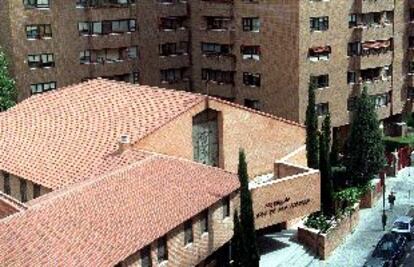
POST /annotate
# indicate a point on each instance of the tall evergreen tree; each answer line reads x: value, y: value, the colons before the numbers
x: 365, y: 151
x: 246, y: 214
x: 325, y: 167
x: 312, y: 130
x: 238, y: 245
x: 7, y: 85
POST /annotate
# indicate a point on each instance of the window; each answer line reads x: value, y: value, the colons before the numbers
x: 204, y: 222
x: 411, y: 14
x: 254, y: 104
x: 38, y: 88
x: 171, y: 23
x: 351, y: 77
x: 172, y: 75
x: 226, y: 207
x: 41, y: 61
x: 352, y: 20
x: 36, y: 3
x: 6, y: 177
x: 85, y: 57
x: 381, y: 100
x: 251, y: 79
x: 320, y: 81
x: 214, y: 48
x: 106, y: 27
x: 168, y: 49
x: 39, y: 31
x: 319, y: 24
x: 146, y: 257
x: 250, y: 52
x: 217, y: 23
x: 132, y: 52
x: 219, y: 76
x: 251, y: 24
x: 36, y: 190
x: 103, y: 3
x: 354, y: 49
x: 162, y: 251
x: 23, y: 190
x: 322, y: 109
x: 411, y: 42
x: 410, y: 94
x: 411, y: 67
x: 319, y: 53
x: 188, y: 232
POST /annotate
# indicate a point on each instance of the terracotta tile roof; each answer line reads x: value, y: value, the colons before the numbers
x: 9, y: 205
x: 56, y: 138
x: 103, y: 220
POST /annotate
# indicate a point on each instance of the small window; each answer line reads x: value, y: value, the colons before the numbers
x: 204, y: 222
x: 352, y: 20
x: 188, y: 232
x: 226, y: 207
x: 251, y: 24
x: 162, y: 251
x: 319, y: 24
x: 322, y: 109
x: 23, y: 190
x: 320, y: 81
x: 36, y: 190
x: 252, y: 103
x: 251, y: 79
x: 146, y: 257
x: 351, y: 77
x: 6, y: 176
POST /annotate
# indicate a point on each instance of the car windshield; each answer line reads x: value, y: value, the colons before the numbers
x: 401, y: 225
x: 384, y: 250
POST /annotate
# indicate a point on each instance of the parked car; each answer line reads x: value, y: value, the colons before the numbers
x: 388, y: 252
x: 404, y: 225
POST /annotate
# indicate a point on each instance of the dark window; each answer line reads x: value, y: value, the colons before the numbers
x: 36, y: 190
x: 162, y: 251
x: 171, y: 23
x: 251, y: 79
x: 254, y: 104
x: 411, y: 67
x: 251, y: 24
x: 103, y: 3
x: 411, y: 42
x: 188, y: 232
x: 352, y: 20
x: 217, y: 23
x: 250, y: 52
x: 354, y: 49
x: 172, y: 75
x: 38, y: 31
x: 411, y: 14
x: 36, y: 3
x: 146, y: 257
x: 41, y: 61
x: 214, y: 48
x: 322, y: 109
x: 42, y: 87
x: 106, y: 27
x: 226, y: 207
x: 320, y: 81
x: 6, y: 176
x: 219, y: 76
x: 381, y: 100
x: 319, y: 24
x: 168, y: 49
x: 204, y: 222
x: 351, y: 77
x: 23, y: 190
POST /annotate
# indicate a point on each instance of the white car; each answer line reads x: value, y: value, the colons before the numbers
x: 404, y: 225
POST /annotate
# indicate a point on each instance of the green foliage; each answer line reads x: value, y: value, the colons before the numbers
x: 391, y: 143
x: 238, y: 245
x: 312, y: 130
x: 325, y: 167
x: 247, y: 215
x: 409, y: 119
x: 319, y: 221
x: 364, y: 156
x: 335, y: 153
x: 8, y: 92
x: 348, y: 197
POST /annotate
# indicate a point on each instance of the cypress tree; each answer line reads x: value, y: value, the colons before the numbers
x: 365, y: 151
x: 238, y: 248
x: 7, y: 85
x: 325, y: 166
x: 246, y: 214
x: 312, y: 130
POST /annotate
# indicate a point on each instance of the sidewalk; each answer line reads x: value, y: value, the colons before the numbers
x: 358, y: 246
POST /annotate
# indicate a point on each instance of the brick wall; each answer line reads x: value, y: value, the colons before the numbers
x: 220, y: 232
x: 285, y: 199
x: 263, y: 138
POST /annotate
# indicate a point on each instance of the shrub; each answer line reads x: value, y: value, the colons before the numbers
x: 319, y: 221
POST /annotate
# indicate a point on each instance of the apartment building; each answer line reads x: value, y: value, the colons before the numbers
x: 116, y: 174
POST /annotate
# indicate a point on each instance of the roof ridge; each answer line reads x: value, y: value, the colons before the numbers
x: 265, y: 114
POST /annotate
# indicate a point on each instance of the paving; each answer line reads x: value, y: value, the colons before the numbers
x: 281, y: 249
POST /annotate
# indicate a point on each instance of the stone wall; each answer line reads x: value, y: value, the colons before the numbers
x: 324, y: 244
x: 369, y: 199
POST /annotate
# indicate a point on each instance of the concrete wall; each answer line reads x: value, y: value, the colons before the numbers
x: 15, y: 187
x: 285, y: 199
x: 220, y: 232
x: 264, y: 138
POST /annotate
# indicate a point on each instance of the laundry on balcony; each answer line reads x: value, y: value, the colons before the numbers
x: 317, y: 53
x: 379, y: 46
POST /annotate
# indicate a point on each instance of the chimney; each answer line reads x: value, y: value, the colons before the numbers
x: 124, y: 143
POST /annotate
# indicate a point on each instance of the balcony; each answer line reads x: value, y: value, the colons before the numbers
x: 172, y: 8
x: 371, y: 54
x: 222, y: 90
x: 174, y: 60
x: 375, y: 32
x: 216, y: 7
x: 375, y: 86
x: 220, y: 61
x: 367, y: 6
x: 290, y: 192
